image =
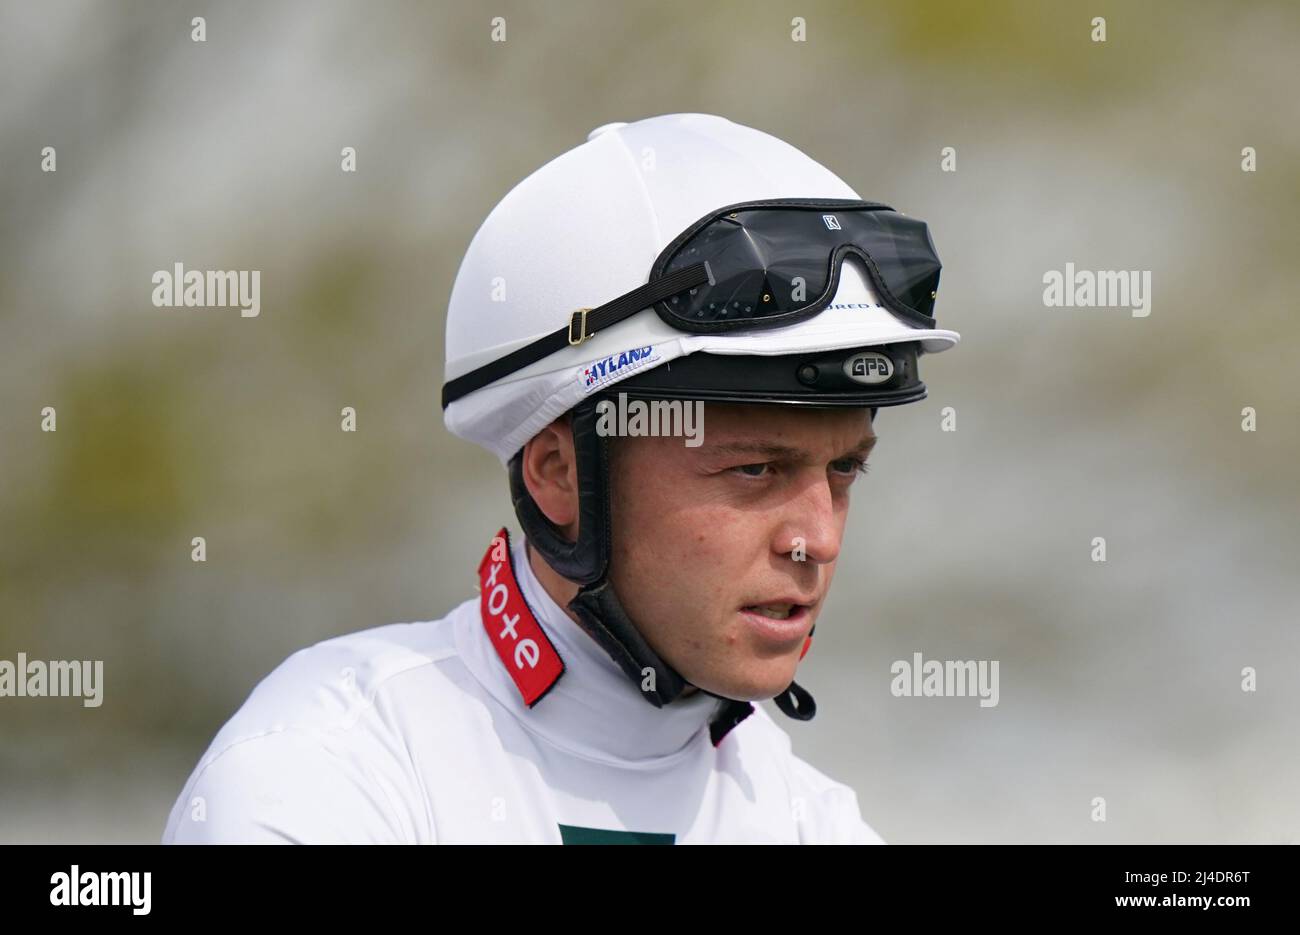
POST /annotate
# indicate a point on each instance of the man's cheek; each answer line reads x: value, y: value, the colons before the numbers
x: 710, y: 543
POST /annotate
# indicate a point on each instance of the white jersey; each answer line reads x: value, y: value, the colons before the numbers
x: 422, y: 733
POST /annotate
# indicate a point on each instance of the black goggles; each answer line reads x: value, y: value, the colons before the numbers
x: 757, y: 265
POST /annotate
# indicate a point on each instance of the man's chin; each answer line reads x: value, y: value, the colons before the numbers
x: 759, y: 687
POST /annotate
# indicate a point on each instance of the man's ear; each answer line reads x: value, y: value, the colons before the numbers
x: 550, y: 470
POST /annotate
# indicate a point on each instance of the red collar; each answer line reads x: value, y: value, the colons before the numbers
x: 521, y: 643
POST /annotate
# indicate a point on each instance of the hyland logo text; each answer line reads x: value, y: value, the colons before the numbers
x: 655, y: 417
x: 1105, y: 288
x: 602, y: 371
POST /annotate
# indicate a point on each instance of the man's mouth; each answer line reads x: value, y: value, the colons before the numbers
x: 785, y: 607
x: 780, y: 624
x: 774, y: 611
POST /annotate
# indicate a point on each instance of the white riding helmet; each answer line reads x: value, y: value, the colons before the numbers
x: 587, y: 226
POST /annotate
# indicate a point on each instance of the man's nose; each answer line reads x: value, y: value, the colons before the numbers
x: 812, y: 531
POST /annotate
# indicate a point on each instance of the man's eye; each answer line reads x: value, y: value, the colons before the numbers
x: 850, y: 466
x: 752, y: 470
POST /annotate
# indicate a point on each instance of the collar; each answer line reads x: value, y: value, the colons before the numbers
x: 538, y: 662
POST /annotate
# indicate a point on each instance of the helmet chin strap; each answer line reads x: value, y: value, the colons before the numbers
x: 601, y: 614
x: 596, y: 606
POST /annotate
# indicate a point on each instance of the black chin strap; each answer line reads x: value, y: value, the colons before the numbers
x: 601, y: 614
x: 796, y: 702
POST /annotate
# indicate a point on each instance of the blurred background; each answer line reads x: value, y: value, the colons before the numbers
x: 1119, y: 679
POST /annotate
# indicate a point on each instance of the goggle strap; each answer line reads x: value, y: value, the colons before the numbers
x: 590, y: 321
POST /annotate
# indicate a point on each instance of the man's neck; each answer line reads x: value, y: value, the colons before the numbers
x: 559, y: 589
x: 562, y: 590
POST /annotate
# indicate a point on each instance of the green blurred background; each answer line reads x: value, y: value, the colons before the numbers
x: 1119, y: 680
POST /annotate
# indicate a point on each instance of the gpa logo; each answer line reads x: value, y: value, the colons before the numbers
x: 869, y: 367
x: 602, y: 371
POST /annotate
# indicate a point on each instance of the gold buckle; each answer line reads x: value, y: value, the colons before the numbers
x: 578, y: 318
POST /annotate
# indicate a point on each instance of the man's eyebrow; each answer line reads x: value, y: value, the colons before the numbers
x: 769, y: 449
x: 868, y: 442
x: 774, y: 450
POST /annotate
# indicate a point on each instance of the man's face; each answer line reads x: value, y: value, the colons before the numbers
x: 707, y: 540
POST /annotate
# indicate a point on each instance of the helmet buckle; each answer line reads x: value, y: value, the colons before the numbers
x: 578, y: 327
